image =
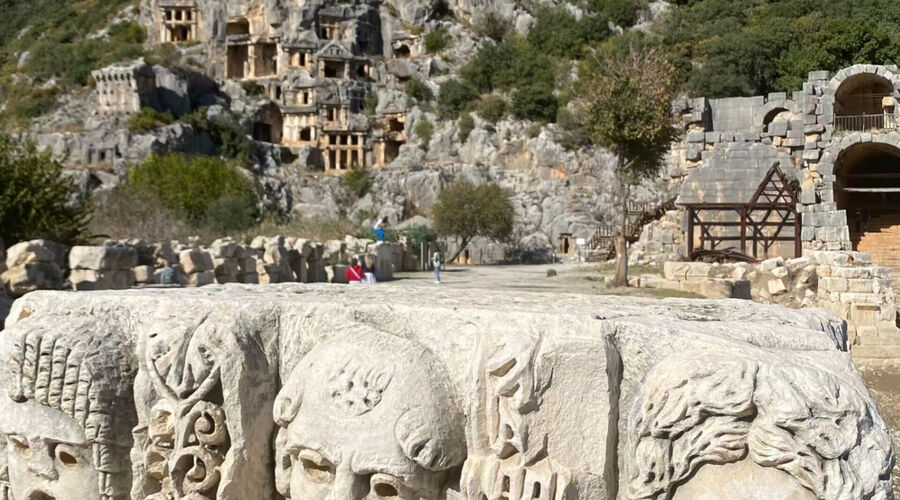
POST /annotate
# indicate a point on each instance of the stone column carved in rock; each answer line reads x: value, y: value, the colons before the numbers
x: 67, y: 409
x: 506, y: 460
x: 192, y: 438
x: 728, y: 424
x: 368, y: 415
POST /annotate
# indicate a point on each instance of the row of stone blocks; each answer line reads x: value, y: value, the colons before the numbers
x: 41, y: 264
x: 317, y: 392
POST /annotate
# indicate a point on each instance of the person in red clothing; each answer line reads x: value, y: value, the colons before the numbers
x: 355, y: 273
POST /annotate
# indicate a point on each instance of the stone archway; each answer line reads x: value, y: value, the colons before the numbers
x: 863, y: 98
x: 867, y: 187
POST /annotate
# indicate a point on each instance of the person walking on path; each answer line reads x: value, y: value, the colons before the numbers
x: 436, y: 262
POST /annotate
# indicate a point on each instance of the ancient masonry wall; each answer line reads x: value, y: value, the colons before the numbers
x: 800, y: 127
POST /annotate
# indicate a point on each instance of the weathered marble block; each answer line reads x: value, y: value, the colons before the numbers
x: 316, y: 392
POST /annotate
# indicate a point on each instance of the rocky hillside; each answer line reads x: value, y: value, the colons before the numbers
x: 487, y: 94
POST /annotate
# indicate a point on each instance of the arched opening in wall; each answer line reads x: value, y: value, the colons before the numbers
x: 402, y: 52
x: 776, y: 122
x: 867, y: 186
x: 860, y: 104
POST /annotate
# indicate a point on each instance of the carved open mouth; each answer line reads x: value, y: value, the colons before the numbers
x: 40, y: 495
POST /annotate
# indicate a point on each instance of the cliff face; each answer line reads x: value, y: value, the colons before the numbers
x: 322, y: 86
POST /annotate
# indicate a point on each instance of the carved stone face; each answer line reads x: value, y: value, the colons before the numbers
x: 48, y: 456
x: 331, y: 460
x: 368, y: 424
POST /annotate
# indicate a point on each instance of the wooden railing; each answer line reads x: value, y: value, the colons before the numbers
x: 637, y: 215
x: 862, y: 123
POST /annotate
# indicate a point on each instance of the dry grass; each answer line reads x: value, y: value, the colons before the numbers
x: 119, y: 216
x: 318, y: 229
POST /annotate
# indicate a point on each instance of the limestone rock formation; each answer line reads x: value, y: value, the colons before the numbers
x: 312, y: 390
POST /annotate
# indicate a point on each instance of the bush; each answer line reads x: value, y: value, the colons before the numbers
x: 224, y: 131
x: 436, y: 41
x: 371, y: 102
x: 191, y: 186
x: 36, y: 199
x: 466, y: 211
x: 453, y: 98
x: 528, y: 254
x: 252, y: 88
x: 424, y: 129
x: 493, y: 26
x: 466, y: 125
x: 24, y: 102
x: 127, y: 213
x: 165, y: 54
x: 491, y: 107
x: 148, y: 120
x: 534, y: 102
x: 420, y: 235
x: 622, y: 13
x: 231, y: 214
x: 417, y: 89
x: 557, y: 32
x: 358, y: 181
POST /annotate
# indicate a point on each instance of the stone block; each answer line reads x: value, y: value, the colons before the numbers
x: 103, y: 258
x: 712, y: 288
x: 831, y: 284
x: 113, y: 279
x: 195, y: 260
x: 28, y: 252
x: 224, y: 249
x: 251, y: 278
x: 384, y: 261
x: 698, y: 270
x: 201, y: 278
x: 675, y: 271
x: 226, y: 267
x: 776, y: 287
x: 25, y: 278
x: 144, y: 274
x: 778, y: 129
x: 769, y: 265
x: 861, y: 285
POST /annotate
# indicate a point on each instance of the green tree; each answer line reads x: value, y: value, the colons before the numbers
x: 466, y: 211
x: 625, y: 104
x: 491, y: 107
x: 453, y: 97
x: 36, y: 199
x: 417, y: 89
x: 191, y: 186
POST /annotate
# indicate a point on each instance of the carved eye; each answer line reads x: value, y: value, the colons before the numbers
x: 388, y: 487
x: 316, y: 467
x: 21, y: 446
x: 66, y: 456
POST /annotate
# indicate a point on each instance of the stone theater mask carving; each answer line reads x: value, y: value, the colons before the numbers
x: 368, y: 415
x: 755, y: 428
x: 69, y: 410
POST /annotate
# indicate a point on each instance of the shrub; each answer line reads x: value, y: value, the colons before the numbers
x: 127, y: 213
x: 466, y: 211
x: 534, y: 102
x: 436, y: 41
x: 621, y: 12
x: 420, y: 235
x: 252, y: 88
x: 493, y: 26
x: 424, y: 129
x: 165, y: 54
x: 453, y: 98
x: 147, y: 120
x: 24, y: 102
x: 224, y: 131
x: 417, y: 89
x: 358, y: 181
x: 371, y: 102
x: 557, y: 32
x: 190, y: 186
x: 466, y: 124
x: 491, y: 107
x: 36, y: 199
x: 231, y: 214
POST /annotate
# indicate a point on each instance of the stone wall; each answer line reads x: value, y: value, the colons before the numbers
x: 845, y: 283
x: 310, y: 392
